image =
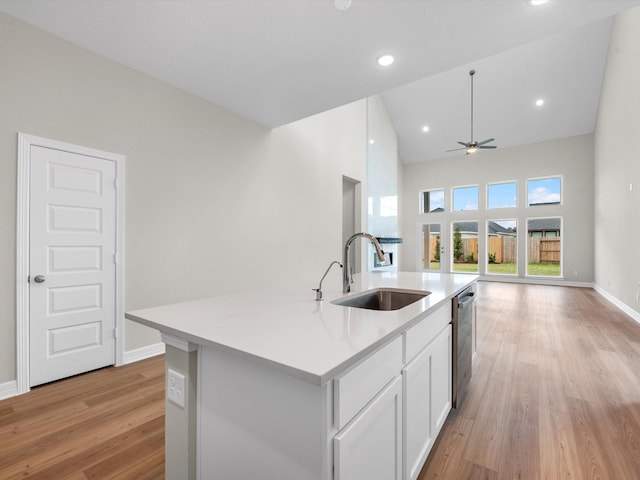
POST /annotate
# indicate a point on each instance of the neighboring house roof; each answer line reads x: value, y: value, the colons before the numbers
x: 494, y: 228
x: 543, y: 224
x: 535, y: 225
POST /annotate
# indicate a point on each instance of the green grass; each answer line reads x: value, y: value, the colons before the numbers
x: 548, y: 269
x: 465, y: 267
x: 503, y: 268
x: 542, y: 269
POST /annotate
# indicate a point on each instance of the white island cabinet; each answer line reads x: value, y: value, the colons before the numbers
x: 284, y: 387
x: 427, y: 388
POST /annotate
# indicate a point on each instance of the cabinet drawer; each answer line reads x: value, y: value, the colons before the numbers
x: 354, y: 389
x: 419, y: 336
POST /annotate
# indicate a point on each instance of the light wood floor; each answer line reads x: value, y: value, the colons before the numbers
x: 555, y: 394
x: 106, y: 424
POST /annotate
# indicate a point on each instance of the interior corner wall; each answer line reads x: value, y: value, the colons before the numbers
x: 214, y: 202
x: 572, y: 158
x: 617, y: 166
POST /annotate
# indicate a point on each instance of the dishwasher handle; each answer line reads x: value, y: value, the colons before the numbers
x: 466, y: 299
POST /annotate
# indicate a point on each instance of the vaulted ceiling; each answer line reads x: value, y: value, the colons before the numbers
x: 277, y: 61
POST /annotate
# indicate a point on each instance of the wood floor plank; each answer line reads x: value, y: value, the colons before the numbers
x: 571, y: 409
x: 488, y: 434
x: 89, y: 426
x: 451, y: 443
x: 112, y: 416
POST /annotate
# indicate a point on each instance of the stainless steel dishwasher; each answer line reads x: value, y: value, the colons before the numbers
x: 462, y: 323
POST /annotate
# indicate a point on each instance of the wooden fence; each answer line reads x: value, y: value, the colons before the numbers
x: 504, y: 248
x: 544, y: 250
x: 541, y: 250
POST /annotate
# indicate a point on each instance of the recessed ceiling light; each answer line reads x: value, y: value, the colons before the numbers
x: 539, y: 102
x: 342, y: 4
x: 371, y: 141
x: 537, y: 3
x: 386, y: 60
x: 425, y: 128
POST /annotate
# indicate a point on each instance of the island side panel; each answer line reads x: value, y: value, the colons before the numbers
x: 181, y: 422
x: 257, y: 422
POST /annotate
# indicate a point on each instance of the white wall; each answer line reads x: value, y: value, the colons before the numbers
x: 571, y: 158
x: 214, y: 202
x: 617, y: 166
x: 382, y: 167
x: 383, y: 187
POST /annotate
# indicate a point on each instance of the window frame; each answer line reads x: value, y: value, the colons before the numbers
x: 422, y: 200
x: 451, y: 250
x: 537, y: 205
x: 560, y: 276
x: 487, y: 272
x: 453, y: 190
x: 506, y: 182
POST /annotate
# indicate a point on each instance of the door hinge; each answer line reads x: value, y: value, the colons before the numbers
x: 115, y: 258
x: 115, y: 333
x: 116, y: 183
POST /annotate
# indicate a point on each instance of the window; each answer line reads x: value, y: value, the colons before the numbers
x: 502, y: 195
x: 544, y: 191
x: 432, y: 201
x: 502, y: 247
x: 544, y: 247
x: 465, y: 247
x: 465, y: 198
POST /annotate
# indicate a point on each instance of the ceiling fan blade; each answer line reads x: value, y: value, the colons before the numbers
x: 463, y: 143
x: 456, y: 149
x: 487, y: 146
x: 486, y: 141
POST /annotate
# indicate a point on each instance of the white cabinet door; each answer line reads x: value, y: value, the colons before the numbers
x: 416, y: 378
x: 426, y: 401
x: 441, y: 373
x: 370, y: 446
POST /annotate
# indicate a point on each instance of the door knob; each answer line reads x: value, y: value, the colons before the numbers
x: 39, y: 279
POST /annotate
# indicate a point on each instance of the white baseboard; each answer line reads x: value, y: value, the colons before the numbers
x: 143, y: 353
x: 8, y: 389
x: 535, y: 281
x: 622, y: 306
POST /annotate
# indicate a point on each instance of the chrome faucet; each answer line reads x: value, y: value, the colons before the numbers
x: 347, y: 278
x: 319, y: 289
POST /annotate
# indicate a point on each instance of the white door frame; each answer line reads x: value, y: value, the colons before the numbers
x: 25, y: 142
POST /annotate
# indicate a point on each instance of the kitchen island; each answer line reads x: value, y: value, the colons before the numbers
x: 274, y: 384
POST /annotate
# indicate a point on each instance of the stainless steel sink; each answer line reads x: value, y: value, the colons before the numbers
x: 382, y: 299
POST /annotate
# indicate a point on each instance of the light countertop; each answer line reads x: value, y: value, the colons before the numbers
x: 289, y: 330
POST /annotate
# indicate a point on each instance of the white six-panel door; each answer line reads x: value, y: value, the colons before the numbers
x: 72, y: 237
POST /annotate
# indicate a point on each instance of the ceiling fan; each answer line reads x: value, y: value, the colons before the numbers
x: 472, y: 146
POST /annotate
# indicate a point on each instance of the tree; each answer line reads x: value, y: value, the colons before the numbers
x: 436, y: 254
x: 458, y: 250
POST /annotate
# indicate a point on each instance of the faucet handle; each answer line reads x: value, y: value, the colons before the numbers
x: 318, y: 293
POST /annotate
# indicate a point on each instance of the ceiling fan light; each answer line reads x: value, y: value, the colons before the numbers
x: 471, y: 150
